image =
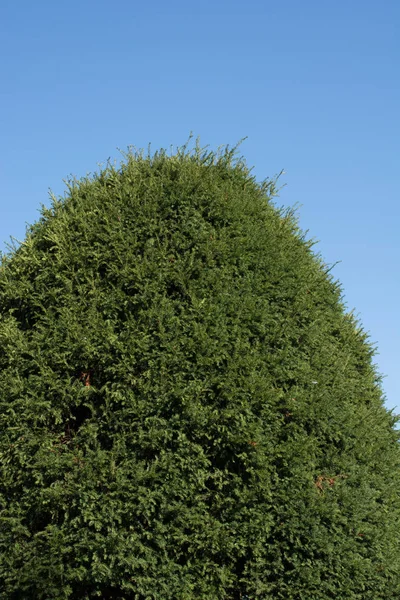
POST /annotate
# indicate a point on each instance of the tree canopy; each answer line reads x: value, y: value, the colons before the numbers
x: 187, y: 409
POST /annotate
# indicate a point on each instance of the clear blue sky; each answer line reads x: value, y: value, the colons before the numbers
x: 314, y: 85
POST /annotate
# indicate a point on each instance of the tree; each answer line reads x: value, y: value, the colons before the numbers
x: 188, y: 411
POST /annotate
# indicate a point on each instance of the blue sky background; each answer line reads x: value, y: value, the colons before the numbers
x: 314, y: 85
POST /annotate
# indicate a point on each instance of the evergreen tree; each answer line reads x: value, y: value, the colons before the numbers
x: 187, y: 409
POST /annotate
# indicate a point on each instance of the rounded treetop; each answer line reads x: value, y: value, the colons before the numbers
x: 187, y: 409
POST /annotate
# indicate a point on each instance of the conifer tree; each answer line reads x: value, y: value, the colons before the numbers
x: 187, y: 409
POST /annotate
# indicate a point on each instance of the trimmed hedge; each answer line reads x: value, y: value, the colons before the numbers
x: 187, y: 409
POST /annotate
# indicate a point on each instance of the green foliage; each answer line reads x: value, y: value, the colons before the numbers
x: 187, y: 410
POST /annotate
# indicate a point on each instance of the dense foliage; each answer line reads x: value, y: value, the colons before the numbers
x: 186, y: 409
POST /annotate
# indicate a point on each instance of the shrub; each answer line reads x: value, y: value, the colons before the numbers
x: 187, y: 409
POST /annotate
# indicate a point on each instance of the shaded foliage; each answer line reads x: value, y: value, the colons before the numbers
x: 187, y: 409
